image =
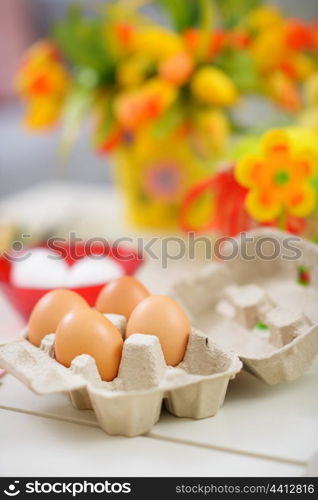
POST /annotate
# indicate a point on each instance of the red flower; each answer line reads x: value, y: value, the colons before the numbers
x: 125, y: 33
x: 111, y: 142
x: 298, y: 35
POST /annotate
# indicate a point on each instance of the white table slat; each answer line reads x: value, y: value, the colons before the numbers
x: 35, y: 446
x: 16, y: 396
x: 278, y: 422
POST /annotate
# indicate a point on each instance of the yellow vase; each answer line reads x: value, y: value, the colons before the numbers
x: 154, y: 175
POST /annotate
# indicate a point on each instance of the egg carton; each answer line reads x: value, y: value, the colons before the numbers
x: 254, y: 304
x: 130, y: 404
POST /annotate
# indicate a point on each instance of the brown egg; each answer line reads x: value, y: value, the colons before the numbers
x: 121, y: 296
x: 87, y: 331
x: 49, y: 311
x: 163, y: 317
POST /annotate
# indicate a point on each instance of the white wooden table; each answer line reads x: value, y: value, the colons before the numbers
x: 260, y: 431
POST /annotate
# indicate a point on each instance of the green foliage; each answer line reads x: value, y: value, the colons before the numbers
x: 106, y: 121
x: 168, y: 122
x: 76, y: 108
x: 81, y: 39
x: 240, y: 67
x: 183, y: 13
x: 232, y: 11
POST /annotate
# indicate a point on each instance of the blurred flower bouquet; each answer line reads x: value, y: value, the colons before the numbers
x: 161, y: 96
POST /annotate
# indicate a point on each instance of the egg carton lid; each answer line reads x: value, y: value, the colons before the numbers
x: 131, y: 403
x: 254, y: 305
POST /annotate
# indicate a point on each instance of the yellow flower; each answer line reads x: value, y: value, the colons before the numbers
x: 268, y: 48
x: 211, y: 131
x: 40, y: 52
x: 263, y: 18
x: 159, y: 87
x: 42, y: 112
x: 118, y: 37
x: 311, y: 90
x: 212, y: 86
x: 42, y: 81
x: 49, y: 79
x: 278, y: 178
x: 132, y: 71
x: 157, y: 43
x: 304, y: 65
x: 41, y: 73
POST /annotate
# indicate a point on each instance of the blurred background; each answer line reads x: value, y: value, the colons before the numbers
x: 27, y: 158
x: 157, y: 104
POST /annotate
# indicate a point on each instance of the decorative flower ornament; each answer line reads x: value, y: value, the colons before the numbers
x: 279, y: 177
x: 164, y: 180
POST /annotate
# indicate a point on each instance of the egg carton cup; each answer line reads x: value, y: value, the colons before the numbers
x: 130, y: 404
x: 254, y: 304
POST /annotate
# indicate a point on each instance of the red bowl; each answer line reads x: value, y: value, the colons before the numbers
x: 24, y: 299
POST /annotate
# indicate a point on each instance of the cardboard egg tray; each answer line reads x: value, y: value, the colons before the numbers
x: 131, y: 403
x: 254, y: 304
x: 252, y: 309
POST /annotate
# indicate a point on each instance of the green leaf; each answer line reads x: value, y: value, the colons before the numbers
x: 168, y: 122
x: 106, y: 122
x: 81, y: 40
x: 240, y: 67
x: 232, y: 11
x: 75, y: 110
x: 314, y: 183
x: 182, y: 13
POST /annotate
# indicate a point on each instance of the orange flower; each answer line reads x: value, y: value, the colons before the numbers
x: 239, y: 39
x: 177, y: 69
x: 125, y: 34
x: 191, y: 39
x: 112, y: 141
x: 298, y: 35
x: 135, y: 108
x: 284, y: 91
x: 41, y: 73
x: 300, y: 67
x: 278, y: 178
x: 218, y: 39
x: 43, y: 82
